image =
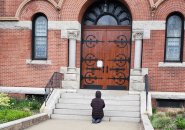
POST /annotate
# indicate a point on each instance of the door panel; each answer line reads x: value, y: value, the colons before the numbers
x: 111, y: 45
x: 92, y: 76
x: 118, y: 58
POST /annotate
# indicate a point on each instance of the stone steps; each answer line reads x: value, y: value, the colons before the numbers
x: 119, y: 106
x: 88, y: 101
x: 89, y: 118
x: 109, y: 113
x: 91, y: 96
x: 88, y: 107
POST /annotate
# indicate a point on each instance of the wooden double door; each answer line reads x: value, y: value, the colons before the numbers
x: 105, y: 61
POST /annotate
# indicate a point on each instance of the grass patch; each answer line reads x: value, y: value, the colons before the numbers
x: 10, y: 115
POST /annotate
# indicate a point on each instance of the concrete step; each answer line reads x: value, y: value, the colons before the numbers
x: 88, y: 107
x: 104, y: 92
x: 91, y: 96
x: 88, y: 101
x: 89, y: 112
x: 89, y: 118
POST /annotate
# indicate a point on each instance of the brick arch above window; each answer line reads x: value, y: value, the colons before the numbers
x: 21, y: 7
x: 156, y: 3
x: 38, y: 6
x: 168, y: 6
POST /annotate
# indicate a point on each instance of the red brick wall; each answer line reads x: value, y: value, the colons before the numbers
x: 161, y: 79
x: 15, y: 48
x: 167, y: 78
x: 11, y: 6
x: 15, y: 45
x: 2, y: 8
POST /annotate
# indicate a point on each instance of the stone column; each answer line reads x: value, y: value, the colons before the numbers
x: 71, y: 73
x: 138, y: 36
x: 72, y: 36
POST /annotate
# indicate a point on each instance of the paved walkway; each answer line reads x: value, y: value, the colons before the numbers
x: 83, y: 125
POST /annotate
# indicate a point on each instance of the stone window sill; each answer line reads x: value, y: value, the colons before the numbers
x: 163, y: 64
x: 38, y: 62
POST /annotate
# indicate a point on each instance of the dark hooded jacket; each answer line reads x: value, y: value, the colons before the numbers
x: 97, y: 105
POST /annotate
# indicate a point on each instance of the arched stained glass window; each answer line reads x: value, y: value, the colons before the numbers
x: 174, y: 38
x: 107, y: 20
x: 107, y: 13
x: 40, y: 34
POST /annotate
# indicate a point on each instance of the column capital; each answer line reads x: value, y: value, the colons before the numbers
x: 73, y: 34
x: 138, y: 35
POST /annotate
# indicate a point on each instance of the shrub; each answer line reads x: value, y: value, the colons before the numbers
x: 180, y: 122
x: 35, y: 105
x: 161, y: 122
x: 28, y: 104
x: 154, y: 110
x: 4, y: 100
x: 17, y: 109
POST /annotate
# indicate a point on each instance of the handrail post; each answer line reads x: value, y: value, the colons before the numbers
x: 53, y: 82
x: 146, y: 89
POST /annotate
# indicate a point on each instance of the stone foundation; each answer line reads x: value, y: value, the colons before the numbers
x: 24, y: 123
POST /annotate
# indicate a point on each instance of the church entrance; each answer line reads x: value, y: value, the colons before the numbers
x: 106, y: 47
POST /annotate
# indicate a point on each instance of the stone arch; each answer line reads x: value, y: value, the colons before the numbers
x: 167, y: 7
x: 74, y: 10
x: 25, y: 2
x: 155, y: 5
x: 38, y: 6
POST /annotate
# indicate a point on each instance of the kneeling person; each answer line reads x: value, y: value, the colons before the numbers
x: 97, y: 105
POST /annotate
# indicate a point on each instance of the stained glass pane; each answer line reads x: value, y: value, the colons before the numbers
x: 174, y: 26
x: 107, y: 20
x: 111, y: 13
x: 40, y: 47
x: 173, y: 49
x: 41, y: 26
x: 40, y: 40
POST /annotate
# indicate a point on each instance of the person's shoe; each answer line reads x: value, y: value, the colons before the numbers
x: 98, y: 120
x: 93, y: 121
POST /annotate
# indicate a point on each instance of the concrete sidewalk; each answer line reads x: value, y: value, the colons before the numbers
x: 84, y: 125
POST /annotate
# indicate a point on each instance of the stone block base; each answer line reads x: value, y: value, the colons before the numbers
x: 137, y: 87
x: 71, y: 78
x: 70, y: 84
x: 137, y: 81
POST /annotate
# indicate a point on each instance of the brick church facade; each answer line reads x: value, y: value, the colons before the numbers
x: 40, y: 37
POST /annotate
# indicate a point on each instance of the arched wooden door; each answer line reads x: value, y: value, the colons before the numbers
x: 105, y: 59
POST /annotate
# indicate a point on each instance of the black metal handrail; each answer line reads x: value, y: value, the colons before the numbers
x: 146, y: 89
x: 54, y: 82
